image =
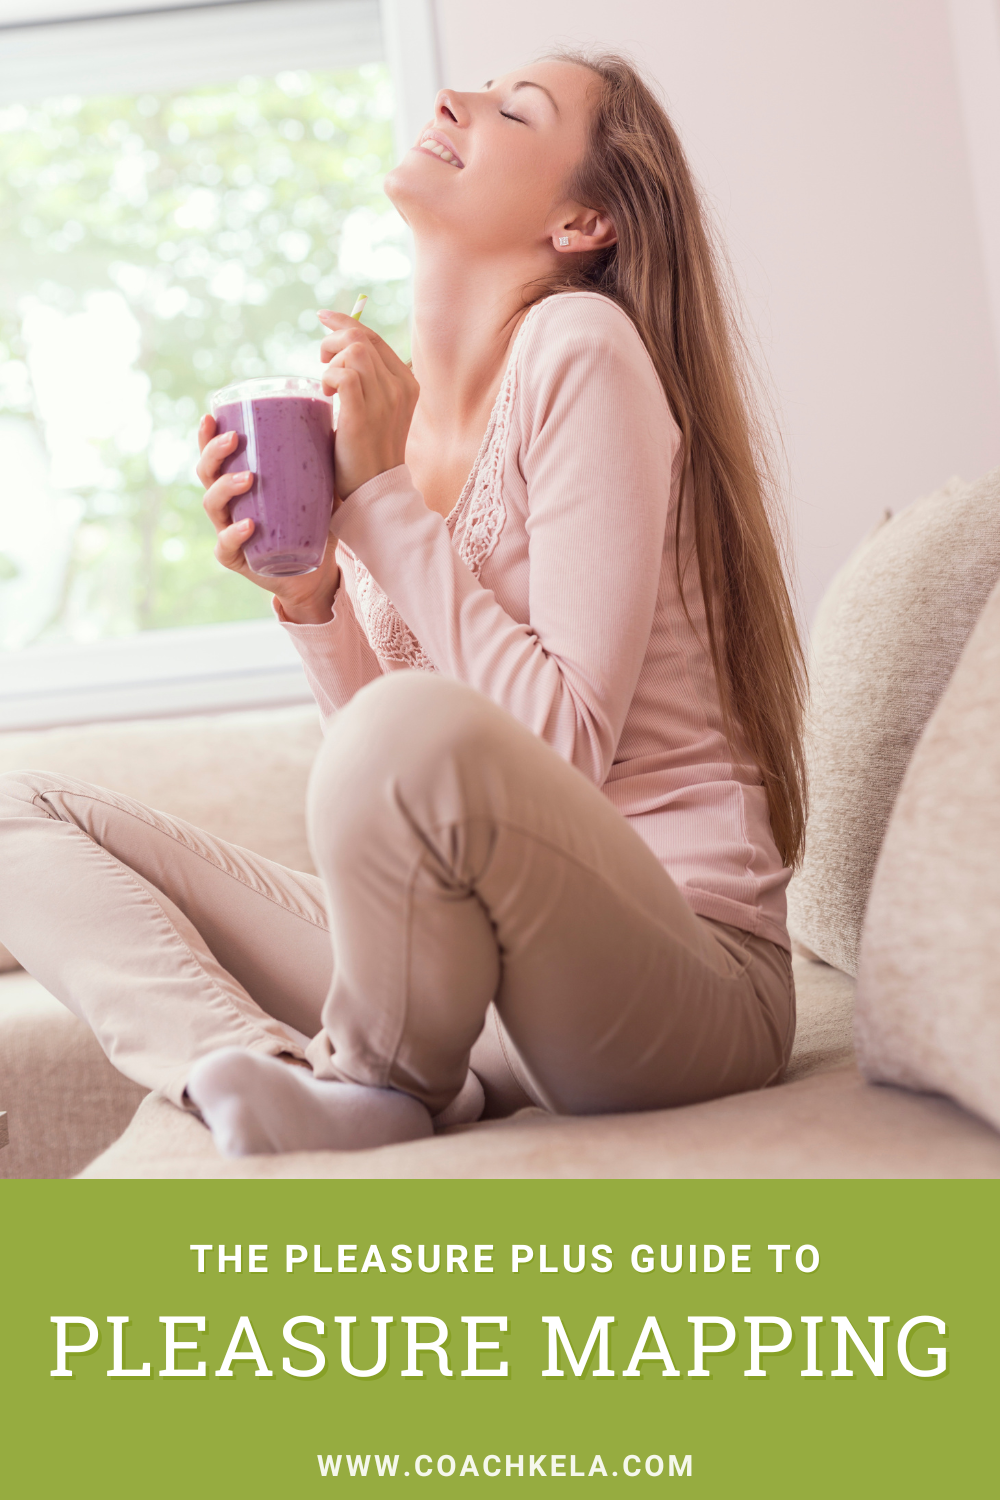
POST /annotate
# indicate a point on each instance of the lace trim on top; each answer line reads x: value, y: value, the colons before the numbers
x: 474, y: 524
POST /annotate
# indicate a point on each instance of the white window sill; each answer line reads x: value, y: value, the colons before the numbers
x: 156, y: 674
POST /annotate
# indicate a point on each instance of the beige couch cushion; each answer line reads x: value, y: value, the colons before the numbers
x: 929, y: 979
x: 885, y: 643
x: 825, y: 1121
x: 65, y: 1103
x: 68, y: 1104
x: 210, y: 770
x: 826, y: 1125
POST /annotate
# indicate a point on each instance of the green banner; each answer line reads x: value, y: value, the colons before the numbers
x: 285, y: 1338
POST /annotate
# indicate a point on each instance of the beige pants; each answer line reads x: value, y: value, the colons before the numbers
x: 477, y: 898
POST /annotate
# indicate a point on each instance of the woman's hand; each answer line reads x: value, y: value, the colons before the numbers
x: 305, y: 600
x: 377, y: 396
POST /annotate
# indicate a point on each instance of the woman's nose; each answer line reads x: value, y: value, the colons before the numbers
x: 450, y: 108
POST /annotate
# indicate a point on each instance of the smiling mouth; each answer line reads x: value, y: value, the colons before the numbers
x: 438, y: 147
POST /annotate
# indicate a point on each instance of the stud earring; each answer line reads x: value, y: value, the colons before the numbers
x: 564, y: 239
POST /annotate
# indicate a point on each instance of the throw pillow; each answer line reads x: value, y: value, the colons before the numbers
x: 885, y: 643
x: 928, y: 992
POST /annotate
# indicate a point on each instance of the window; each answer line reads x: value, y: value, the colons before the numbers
x: 178, y: 195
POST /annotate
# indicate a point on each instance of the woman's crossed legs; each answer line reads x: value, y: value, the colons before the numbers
x: 462, y: 862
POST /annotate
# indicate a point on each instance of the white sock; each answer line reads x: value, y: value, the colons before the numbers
x: 255, y: 1105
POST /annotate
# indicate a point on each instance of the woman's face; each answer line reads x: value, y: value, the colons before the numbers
x: 492, y: 167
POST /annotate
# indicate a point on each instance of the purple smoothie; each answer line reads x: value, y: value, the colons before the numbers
x: 286, y: 440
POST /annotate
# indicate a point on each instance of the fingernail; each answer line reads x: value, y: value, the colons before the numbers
x: 242, y: 478
x: 245, y: 525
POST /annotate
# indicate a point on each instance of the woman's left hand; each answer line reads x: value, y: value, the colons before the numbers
x: 377, y: 396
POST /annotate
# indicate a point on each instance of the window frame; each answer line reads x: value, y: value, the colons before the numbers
x: 212, y: 668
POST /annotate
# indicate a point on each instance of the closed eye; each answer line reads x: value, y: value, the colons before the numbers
x: 513, y: 117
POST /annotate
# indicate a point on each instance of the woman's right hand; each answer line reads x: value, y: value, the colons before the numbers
x: 305, y: 600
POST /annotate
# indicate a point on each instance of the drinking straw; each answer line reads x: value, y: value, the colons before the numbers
x: 359, y: 306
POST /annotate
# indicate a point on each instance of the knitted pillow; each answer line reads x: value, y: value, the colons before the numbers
x: 885, y: 643
x: 928, y: 992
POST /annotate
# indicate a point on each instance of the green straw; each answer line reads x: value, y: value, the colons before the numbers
x: 359, y: 306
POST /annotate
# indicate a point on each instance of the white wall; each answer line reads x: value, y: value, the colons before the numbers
x: 829, y: 138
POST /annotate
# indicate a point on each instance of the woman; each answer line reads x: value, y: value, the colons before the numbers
x: 553, y: 857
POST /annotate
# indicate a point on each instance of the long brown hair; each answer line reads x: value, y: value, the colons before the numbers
x: 666, y: 273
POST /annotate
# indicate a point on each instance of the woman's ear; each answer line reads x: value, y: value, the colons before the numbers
x: 585, y: 231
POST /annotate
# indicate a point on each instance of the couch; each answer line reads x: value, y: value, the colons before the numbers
x: 889, y: 675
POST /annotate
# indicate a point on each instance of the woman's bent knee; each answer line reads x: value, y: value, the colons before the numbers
x: 411, y: 708
x: 423, y: 743
x: 402, y: 725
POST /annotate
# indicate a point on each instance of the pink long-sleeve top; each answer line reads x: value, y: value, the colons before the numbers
x: 552, y: 588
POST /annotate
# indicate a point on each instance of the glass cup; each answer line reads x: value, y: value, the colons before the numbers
x: 285, y: 426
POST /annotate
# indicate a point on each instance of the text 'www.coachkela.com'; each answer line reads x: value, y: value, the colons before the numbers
x: 509, y: 1466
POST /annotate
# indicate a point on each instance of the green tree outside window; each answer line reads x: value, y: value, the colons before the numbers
x: 155, y: 248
